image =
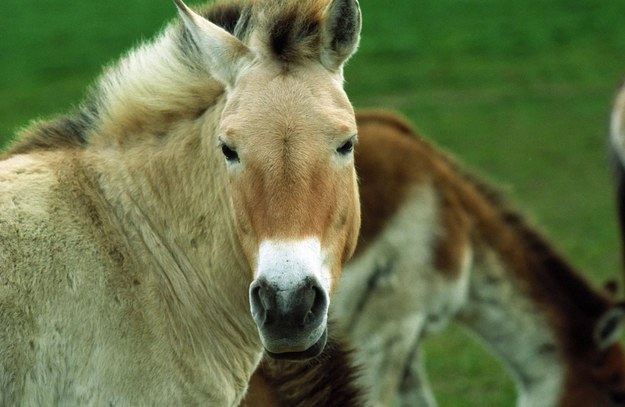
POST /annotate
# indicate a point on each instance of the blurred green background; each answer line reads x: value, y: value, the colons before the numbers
x: 520, y: 90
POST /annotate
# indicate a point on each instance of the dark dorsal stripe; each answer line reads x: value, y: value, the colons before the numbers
x: 65, y: 132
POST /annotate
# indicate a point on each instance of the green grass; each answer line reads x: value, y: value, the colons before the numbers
x: 519, y: 90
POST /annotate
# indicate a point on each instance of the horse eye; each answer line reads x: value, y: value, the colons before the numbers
x: 346, y: 147
x: 230, y: 154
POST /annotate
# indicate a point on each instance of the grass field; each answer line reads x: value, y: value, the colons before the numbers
x: 519, y: 90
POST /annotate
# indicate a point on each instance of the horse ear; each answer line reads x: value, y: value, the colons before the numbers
x: 610, y: 287
x: 342, y: 33
x: 225, y: 54
x: 609, y: 326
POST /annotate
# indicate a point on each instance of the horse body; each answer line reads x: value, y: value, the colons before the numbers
x: 438, y: 245
x: 132, y: 229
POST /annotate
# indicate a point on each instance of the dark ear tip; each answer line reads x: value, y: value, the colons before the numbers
x: 345, y: 24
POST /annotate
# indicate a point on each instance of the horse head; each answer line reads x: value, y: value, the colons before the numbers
x: 287, y: 132
x: 596, y: 377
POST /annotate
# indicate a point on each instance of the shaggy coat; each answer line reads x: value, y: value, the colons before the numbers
x: 132, y: 229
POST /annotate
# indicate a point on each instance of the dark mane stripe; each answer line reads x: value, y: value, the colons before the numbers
x: 293, y: 30
x: 64, y: 132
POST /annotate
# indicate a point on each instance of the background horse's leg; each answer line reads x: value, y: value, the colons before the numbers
x: 414, y: 388
x: 383, y: 356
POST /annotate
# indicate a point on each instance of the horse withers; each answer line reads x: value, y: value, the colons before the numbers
x: 208, y: 174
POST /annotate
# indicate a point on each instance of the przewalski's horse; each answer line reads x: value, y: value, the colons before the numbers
x: 210, y: 172
x: 438, y: 245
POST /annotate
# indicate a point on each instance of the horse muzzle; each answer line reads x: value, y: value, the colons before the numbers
x: 292, y: 322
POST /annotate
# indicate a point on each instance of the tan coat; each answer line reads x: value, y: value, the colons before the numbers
x: 128, y: 234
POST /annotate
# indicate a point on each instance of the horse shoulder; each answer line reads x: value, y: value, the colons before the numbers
x: 60, y: 290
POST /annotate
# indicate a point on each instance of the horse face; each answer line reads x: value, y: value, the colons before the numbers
x: 599, y: 383
x: 287, y: 140
x: 597, y: 378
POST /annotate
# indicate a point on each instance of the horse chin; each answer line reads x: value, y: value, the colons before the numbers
x: 311, y: 352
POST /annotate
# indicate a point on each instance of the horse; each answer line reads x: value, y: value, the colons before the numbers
x: 437, y: 245
x: 617, y: 148
x: 193, y: 213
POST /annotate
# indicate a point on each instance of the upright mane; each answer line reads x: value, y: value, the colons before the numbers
x: 167, y: 78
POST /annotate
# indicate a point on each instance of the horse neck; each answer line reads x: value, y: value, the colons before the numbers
x: 525, y: 301
x: 170, y: 195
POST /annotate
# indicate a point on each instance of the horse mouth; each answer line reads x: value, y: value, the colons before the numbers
x: 311, y: 352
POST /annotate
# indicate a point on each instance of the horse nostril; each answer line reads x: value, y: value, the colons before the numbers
x: 321, y: 302
x: 264, y: 294
x: 303, y: 306
x: 308, y: 318
x: 259, y: 302
x: 317, y: 305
